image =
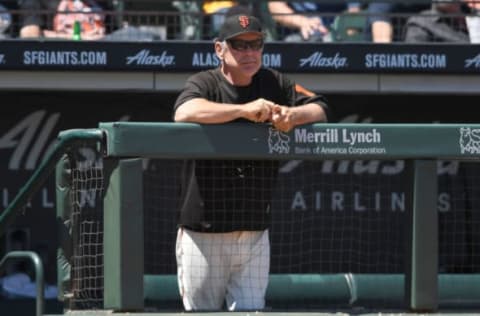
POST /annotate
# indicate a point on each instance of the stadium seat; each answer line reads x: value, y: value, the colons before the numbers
x: 349, y: 27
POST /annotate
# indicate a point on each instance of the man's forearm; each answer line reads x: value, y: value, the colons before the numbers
x: 207, y: 112
x: 309, y: 113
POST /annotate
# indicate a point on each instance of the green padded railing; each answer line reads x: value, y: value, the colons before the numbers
x: 311, y: 141
x: 421, y: 145
x: 66, y: 140
x: 349, y: 289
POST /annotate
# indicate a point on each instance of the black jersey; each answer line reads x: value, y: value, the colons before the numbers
x: 233, y: 195
x: 266, y: 83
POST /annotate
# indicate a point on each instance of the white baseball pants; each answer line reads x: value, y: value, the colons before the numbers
x: 218, y: 268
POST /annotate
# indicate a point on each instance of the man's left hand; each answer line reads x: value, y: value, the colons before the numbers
x: 282, y: 118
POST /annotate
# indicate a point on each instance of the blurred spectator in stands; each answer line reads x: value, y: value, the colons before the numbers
x: 32, y: 22
x: 386, y: 19
x: 474, y: 5
x: 217, y: 10
x: 307, y: 21
x: 473, y: 20
x: 191, y: 24
x: 5, y: 20
x: 443, y: 22
x: 145, y: 20
x: 56, y: 19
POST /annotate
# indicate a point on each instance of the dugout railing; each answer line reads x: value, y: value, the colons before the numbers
x: 421, y: 146
x: 101, y: 205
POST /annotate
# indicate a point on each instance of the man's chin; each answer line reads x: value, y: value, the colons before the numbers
x: 250, y: 69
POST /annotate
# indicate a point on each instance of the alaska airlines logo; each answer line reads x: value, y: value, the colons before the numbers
x: 318, y: 60
x: 145, y: 57
x: 473, y: 62
x: 469, y: 140
x: 278, y: 142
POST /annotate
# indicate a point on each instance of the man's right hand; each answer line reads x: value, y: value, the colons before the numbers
x: 258, y: 111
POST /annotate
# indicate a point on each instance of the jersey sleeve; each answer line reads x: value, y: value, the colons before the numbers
x: 299, y: 95
x: 195, y: 87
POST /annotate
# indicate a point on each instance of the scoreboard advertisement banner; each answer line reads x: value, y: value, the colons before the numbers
x: 178, y: 56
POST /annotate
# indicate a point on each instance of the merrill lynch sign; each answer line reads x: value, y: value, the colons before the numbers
x: 328, y: 141
x: 379, y: 141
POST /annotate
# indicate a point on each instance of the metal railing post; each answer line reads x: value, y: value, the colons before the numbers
x: 39, y: 279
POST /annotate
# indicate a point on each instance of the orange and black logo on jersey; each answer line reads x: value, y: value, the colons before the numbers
x: 303, y: 90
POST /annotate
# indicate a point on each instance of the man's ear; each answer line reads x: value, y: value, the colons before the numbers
x: 219, y: 50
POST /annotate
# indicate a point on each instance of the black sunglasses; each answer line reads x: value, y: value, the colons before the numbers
x: 242, y: 45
